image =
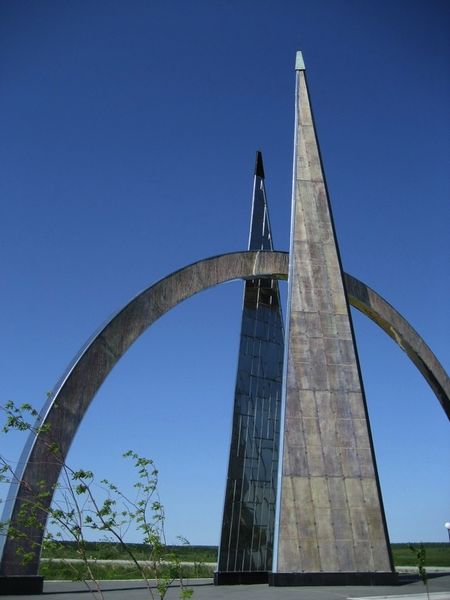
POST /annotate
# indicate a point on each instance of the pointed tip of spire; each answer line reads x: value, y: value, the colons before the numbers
x: 259, y: 168
x: 299, y: 62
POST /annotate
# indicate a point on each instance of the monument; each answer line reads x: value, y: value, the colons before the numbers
x: 246, y: 544
x: 328, y: 525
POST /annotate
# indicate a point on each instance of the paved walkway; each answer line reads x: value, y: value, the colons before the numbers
x: 411, y: 588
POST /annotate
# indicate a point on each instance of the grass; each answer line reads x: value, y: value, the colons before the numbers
x: 111, y: 551
x: 78, y: 572
x: 437, y: 555
x: 65, y: 551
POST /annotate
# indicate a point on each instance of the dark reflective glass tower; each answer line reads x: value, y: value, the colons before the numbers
x: 246, y: 545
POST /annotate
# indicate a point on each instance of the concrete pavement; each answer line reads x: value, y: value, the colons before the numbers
x: 410, y: 588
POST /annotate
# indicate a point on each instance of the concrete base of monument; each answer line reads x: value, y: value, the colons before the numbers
x: 21, y: 585
x: 240, y: 577
x: 352, y: 578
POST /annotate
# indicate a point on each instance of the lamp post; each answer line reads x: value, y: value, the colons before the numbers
x: 447, y: 526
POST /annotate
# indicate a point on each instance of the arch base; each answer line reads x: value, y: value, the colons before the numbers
x: 19, y: 585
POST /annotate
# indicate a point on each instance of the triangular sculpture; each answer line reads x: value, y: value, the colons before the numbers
x: 330, y: 525
x: 246, y: 545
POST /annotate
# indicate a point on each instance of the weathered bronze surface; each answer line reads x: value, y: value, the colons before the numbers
x: 330, y: 517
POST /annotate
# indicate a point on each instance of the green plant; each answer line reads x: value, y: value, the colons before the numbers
x: 420, y: 554
x: 77, y: 508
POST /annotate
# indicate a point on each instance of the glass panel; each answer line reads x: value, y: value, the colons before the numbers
x: 249, y: 514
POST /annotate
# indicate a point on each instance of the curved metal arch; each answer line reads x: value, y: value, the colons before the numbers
x: 398, y: 328
x: 67, y: 406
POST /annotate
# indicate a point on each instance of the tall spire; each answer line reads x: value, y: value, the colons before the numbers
x: 246, y: 545
x: 330, y: 526
x: 259, y: 168
x: 260, y: 234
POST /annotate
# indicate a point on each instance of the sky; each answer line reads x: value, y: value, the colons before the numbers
x: 127, y: 147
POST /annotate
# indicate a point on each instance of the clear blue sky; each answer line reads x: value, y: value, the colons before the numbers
x: 128, y: 136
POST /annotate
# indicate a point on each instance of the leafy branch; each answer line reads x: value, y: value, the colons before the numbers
x: 77, y: 509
